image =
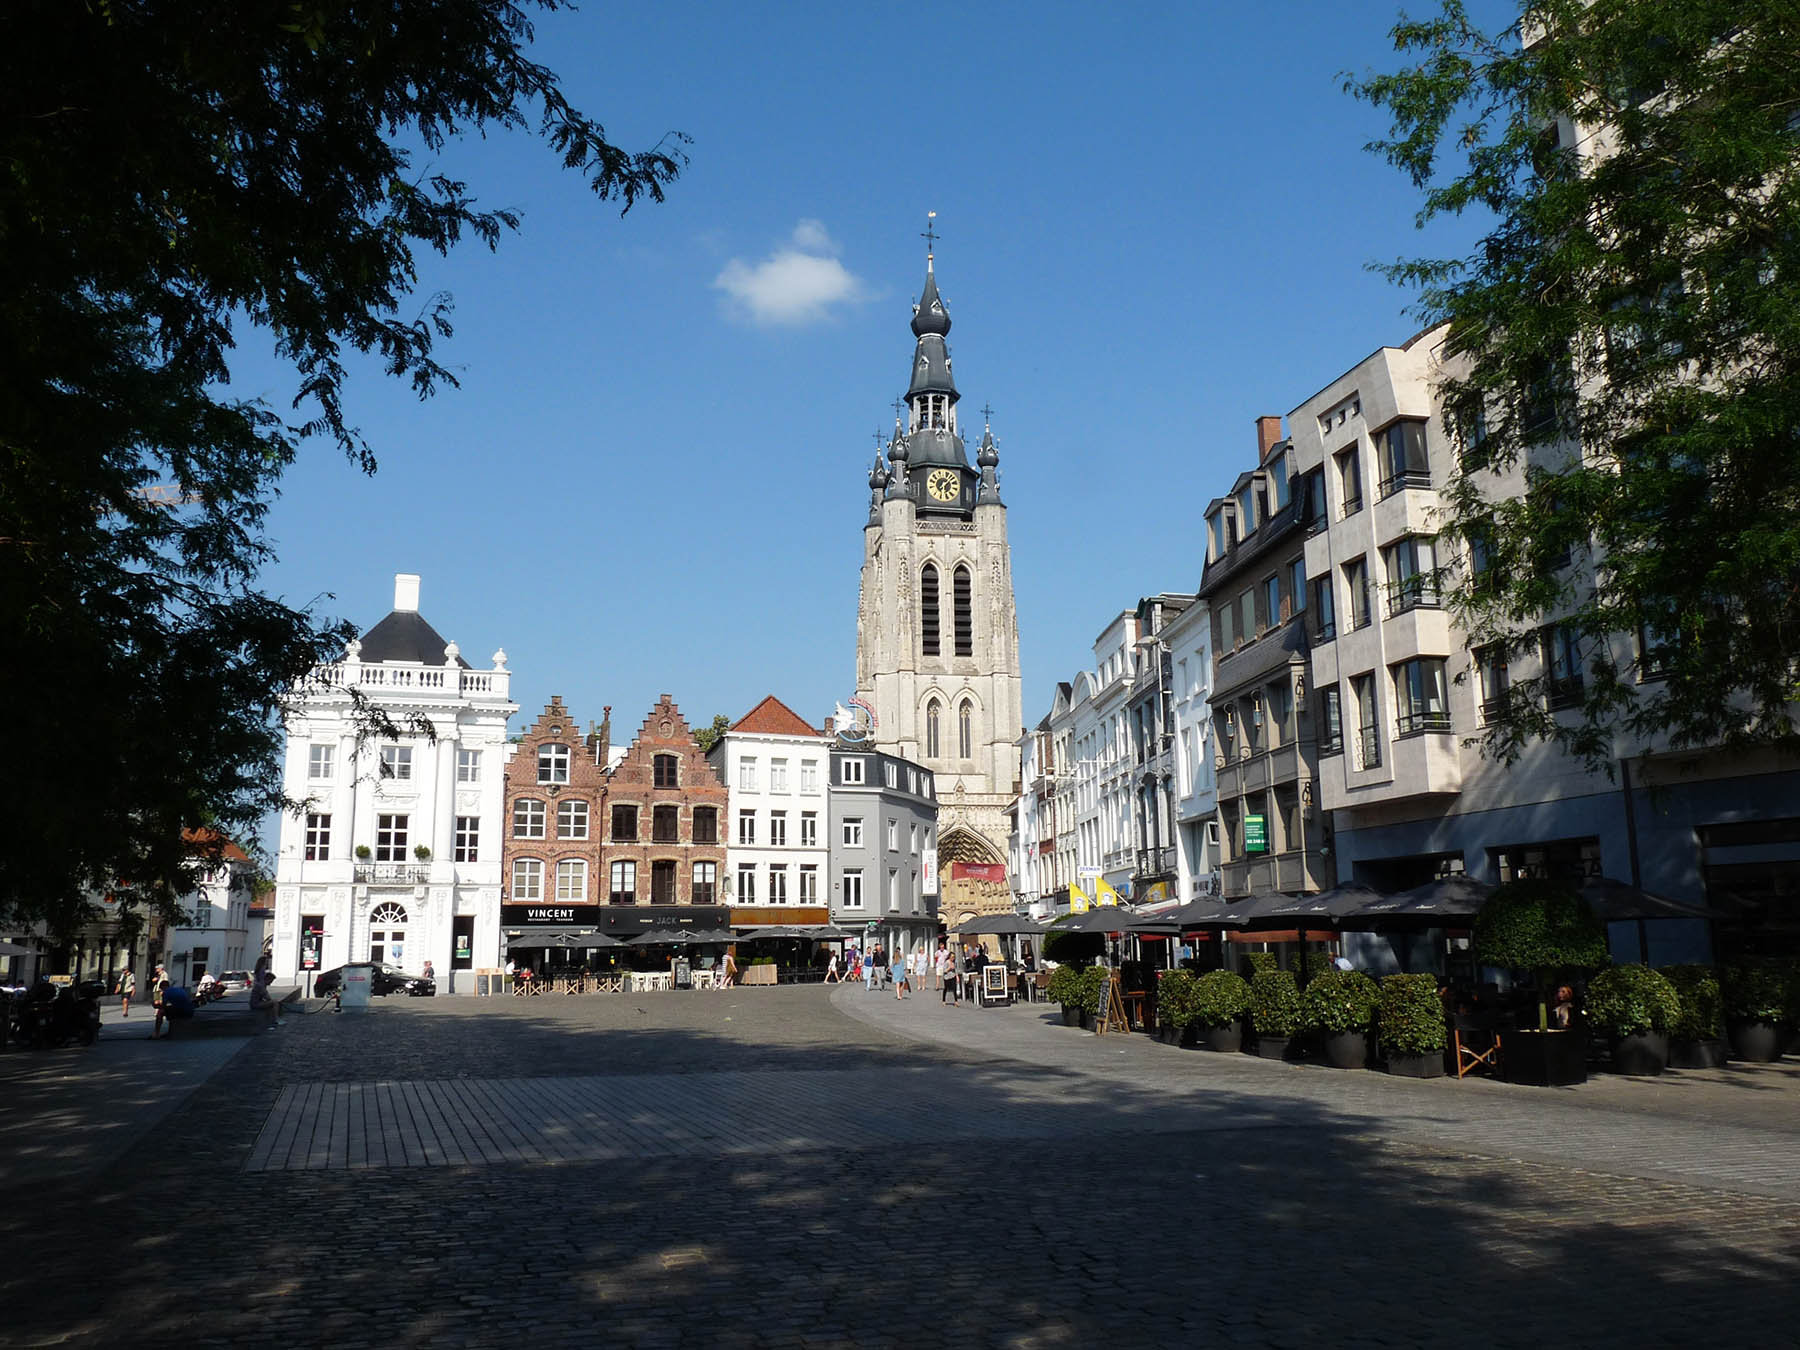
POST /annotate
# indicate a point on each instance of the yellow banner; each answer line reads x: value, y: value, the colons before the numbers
x: 1078, y: 901
x: 1104, y: 894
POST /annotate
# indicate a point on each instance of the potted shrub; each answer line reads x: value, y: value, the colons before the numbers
x: 1093, y: 979
x: 1636, y: 1006
x: 1755, y: 1002
x: 1274, y: 1012
x: 1065, y: 988
x: 422, y: 853
x: 362, y: 853
x: 1176, y: 1006
x: 1411, y: 1018
x: 1697, y: 1040
x: 1252, y: 964
x: 1545, y: 930
x: 1340, y: 1005
x: 1221, y: 1000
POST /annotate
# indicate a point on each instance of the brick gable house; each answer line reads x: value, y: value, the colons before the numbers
x: 553, y: 823
x: 665, y: 819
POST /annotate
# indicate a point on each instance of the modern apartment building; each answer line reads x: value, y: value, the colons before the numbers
x: 1272, y: 833
x: 883, y: 847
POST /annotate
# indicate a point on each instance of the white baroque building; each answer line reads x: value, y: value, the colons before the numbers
x: 395, y: 856
x: 775, y: 767
x: 1188, y: 638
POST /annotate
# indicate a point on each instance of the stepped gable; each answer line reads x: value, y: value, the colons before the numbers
x: 772, y: 717
x: 665, y: 731
x: 586, y: 783
x: 556, y: 725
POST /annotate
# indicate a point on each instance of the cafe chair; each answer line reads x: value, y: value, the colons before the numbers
x: 1477, y: 1047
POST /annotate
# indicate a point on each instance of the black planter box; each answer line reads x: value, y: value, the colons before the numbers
x: 1697, y: 1054
x: 1757, y: 1042
x: 1416, y: 1066
x: 1273, y: 1047
x: 1228, y: 1039
x: 1544, y: 1058
x: 1642, y: 1056
x: 1346, y: 1049
x: 1071, y: 1015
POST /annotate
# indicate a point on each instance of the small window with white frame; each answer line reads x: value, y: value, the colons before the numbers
x: 853, y: 771
x: 553, y: 763
x: 318, y: 837
x: 390, y: 837
x: 571, y: 881
x: 320, y: 760
x: 809, y: 884
x: 778, y: 781
x: 891, y: 774
x: 853, y: 888
x: 572, y: 819
x: 778, y: 829
x: 747, y: 774
x: 468, y: 766
x: 528, y: 818
x: 778, y: 879
x: 809, y: 829
x: 853, y: 832
x: 396, y: 762
x: 746, y: 884
x: 527, y: 879
x: 468, y: 839
x: 809, y: 775
x: 746, y: 827
x: 893, y: 835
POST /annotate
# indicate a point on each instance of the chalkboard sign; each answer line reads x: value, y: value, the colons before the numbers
x: 1110, y: 1015
x: 993, y: 984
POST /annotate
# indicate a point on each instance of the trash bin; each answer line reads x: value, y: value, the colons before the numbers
x: 357, y: 982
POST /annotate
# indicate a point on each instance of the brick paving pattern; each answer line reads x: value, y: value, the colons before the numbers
x: 800, y: 1167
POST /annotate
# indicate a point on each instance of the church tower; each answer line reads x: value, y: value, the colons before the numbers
x: 937, y: 641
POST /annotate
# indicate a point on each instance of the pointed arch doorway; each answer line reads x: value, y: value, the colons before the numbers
x: 972, y: 875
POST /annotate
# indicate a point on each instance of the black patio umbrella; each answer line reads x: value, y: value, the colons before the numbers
x: 1253, y: 911
x: 999, y: 925
x: 1099, y: 919
x: 663, y: 937
x: 1614, y: 900
x: 566, y: 938
x: 1323, y: 908
x: 704, y: 936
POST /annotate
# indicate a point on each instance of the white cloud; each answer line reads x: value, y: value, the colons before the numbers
x: 797, y: 283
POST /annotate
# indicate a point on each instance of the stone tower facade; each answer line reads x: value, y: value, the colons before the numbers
x: 937, y: 653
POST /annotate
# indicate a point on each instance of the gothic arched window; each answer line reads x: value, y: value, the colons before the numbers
x: 932, y: 709
x: 965, y: 731
x: 928, y: 609
x: 965, y: 613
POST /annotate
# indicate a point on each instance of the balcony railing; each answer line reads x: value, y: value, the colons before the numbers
x: 430, y: 679
x: 1416, y: 592
x: 1368, y: 746
x: 1565, y: 693
x: 1156, y: 862
x: 407, y: 874
x: 1406, y: 478
x: 1408, y: 724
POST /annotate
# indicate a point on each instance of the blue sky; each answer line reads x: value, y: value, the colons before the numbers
x: 1155, y: 223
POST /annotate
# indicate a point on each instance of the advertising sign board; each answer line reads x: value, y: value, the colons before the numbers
x: 1256, y: 834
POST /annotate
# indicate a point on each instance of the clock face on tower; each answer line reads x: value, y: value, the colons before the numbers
x: 944, y: 485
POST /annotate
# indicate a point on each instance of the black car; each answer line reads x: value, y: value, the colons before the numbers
x: 385, y: 979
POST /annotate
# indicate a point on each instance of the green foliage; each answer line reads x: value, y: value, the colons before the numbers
x: 1093, y: 980
x: 1625, y: 334
x: 707, y: 737
x: 1176, y: 998
x: 1702, y: 1004
x: 1756, y: 993
x: 1630, y: 1000
x: 1221, y: 998
x: 1339, y: 1000
x: 1539, y: 926
x: 179, y: 178
x: 1253, y: 964
x: 1411, y: 1016
x: 1065, y: 986
x: 1274, y: 1003
x: 1314, y: 964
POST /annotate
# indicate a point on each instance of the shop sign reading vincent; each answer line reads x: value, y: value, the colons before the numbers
x: 544, y: 913
x: 1256, y: 834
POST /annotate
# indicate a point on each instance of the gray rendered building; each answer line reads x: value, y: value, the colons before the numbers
x: 883, y: 822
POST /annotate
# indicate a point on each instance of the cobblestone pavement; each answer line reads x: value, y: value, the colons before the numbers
x: 904, y: 1175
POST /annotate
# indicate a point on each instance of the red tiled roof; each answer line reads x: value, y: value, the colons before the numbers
x: 205, y: 838
x: 772, y: 717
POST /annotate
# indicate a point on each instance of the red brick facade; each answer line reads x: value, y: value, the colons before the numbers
x: 555, y: 812
x: 668, y: 780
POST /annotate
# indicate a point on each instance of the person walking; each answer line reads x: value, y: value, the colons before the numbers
x: 902, y: 968
x: 728, y: 970
x: 831, y: 971
x: 947, y: 982
x: 159, y: 994
x: 871, y: 968
x: 127, y: 987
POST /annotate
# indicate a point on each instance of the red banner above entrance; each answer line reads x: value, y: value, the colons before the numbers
x: 977, y: 871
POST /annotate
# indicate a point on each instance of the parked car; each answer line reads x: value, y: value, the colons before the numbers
x: 385, y: 979
x: 234, y: 981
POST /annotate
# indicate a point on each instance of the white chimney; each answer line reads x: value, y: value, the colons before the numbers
x: 406, y: 592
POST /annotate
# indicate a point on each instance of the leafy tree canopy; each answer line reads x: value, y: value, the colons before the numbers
x: 1623, y: 355
x: 171, y: 172
x: 707, y: 737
